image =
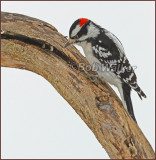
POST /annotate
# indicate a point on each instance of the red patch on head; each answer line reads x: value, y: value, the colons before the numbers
x: 83, y: 21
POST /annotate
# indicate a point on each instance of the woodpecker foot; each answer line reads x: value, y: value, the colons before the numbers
x: 92, y: 78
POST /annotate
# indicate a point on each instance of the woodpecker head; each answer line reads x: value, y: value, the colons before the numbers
x: 82, y: 30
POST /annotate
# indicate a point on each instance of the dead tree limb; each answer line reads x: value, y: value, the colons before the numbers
x: 34, y: 45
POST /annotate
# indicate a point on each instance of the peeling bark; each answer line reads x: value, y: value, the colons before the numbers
x: 34, y: 45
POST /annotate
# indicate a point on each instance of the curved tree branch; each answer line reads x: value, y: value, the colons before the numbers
x: 34, y: 45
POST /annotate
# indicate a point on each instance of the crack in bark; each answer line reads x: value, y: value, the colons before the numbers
x: 38, y: 43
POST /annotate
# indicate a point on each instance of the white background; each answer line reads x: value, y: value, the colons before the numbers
x: 36, y: 121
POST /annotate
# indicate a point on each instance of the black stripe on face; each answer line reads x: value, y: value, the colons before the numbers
x: 73, y: 27
x: 83, y: 30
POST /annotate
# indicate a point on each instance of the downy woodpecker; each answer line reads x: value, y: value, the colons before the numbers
x: 104, y: 51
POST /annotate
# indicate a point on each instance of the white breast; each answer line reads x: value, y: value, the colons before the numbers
x: 87, y: 48
x: 107, y: 76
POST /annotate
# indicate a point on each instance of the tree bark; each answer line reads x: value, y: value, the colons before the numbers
x: 34, y: 45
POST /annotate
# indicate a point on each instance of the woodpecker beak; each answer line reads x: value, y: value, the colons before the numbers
x: 70, y: 41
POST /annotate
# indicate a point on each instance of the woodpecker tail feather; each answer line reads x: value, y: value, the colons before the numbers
x: 127, y: 99
x: 140, y: 92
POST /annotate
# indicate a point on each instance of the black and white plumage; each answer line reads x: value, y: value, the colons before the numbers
x: 105, y: 52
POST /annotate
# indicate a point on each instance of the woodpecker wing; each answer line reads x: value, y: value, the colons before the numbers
x: 110, y: 52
